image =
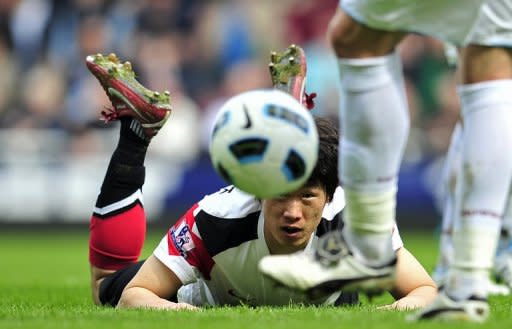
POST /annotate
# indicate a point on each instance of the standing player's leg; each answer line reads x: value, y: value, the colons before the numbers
x: 483, y: 182
x: 374, y: 123
x: 487, y: 166
x: 118, y: 224
x: 447, y: 204
x: 449, y: 180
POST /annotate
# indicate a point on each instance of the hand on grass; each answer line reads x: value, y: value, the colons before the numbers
x: 406, y: 303
x: 185, y: 306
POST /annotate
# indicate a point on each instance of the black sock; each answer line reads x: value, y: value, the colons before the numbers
x: 131, y: 149
x: 126, y: 171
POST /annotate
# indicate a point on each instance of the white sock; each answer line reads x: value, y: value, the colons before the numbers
x: 484, y: 178
x: 374, y: 125
x: 461, y: 284
x: 447, y: 199
x: 370, y: 235
x: 507, y: 216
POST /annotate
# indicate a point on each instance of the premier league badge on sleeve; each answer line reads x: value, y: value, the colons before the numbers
x: 182, y: 238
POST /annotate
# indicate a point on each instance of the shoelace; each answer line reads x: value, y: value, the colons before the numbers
x: 108, y: 115
x: 307, y: 99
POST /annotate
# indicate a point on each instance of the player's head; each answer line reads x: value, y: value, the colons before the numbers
x: 325, y: 173
x: 291, y: 218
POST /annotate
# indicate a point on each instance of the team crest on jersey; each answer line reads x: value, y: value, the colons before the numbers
x: 182, y: 238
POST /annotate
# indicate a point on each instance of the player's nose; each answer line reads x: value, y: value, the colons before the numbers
x: 293, y: 210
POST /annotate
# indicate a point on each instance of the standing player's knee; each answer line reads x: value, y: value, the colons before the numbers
x: 351, y: 39
x: 341, y: 34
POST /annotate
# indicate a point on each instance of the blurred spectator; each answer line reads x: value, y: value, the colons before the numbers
x: 178, y: 142
x: 85, y: 98
x: 425, y: 64
x: 417, y: 143
x: 162, y: 16
x: 42, y: 92
x: 8, y: 81
x: 67, y: 26
x: 7, y: 7
x: 28, y: 26
x: 84, y: 102
x: 307, y: 20
x: 157, y: 59
x: 86, y: 142
x: 439, y: 128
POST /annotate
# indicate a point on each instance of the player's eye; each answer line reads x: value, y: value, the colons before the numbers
x: 308, y: 195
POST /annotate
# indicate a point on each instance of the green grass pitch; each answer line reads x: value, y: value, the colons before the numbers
x: 44, y: 283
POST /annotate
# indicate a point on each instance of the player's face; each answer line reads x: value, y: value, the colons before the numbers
x: 291, y: 219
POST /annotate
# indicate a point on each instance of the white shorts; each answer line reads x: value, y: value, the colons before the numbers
x: 485, y: 22
x: 494, y: 25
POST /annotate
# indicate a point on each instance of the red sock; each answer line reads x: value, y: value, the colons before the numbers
x: 116, y: 241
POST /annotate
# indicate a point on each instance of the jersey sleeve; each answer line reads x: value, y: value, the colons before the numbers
x: 182, y: 250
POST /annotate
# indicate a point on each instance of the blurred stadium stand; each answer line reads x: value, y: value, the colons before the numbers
x: 54, y: 151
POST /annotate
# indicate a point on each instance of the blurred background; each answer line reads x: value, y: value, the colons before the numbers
x: 54, y: 150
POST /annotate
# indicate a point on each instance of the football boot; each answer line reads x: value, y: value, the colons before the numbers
x: 129, y: 98
x: 288, y: 73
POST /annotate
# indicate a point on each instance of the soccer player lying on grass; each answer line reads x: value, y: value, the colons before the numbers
x: 210, y: 256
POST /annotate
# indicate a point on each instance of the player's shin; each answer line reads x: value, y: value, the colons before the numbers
x: 374, y: 124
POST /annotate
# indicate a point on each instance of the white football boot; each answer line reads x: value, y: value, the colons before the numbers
x: 332, y: 267
x: 473, y: 309
x: 503, y: 262
x: 439, y: 277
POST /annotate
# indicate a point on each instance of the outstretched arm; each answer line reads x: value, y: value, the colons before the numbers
x: 150, y: 287
x: 414, y: 287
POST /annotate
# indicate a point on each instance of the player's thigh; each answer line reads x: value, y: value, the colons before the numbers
x: 447, y: 20
x: 483, y: 63
x: 488, y: 55
x: 351, y: 39
x: 109, y: 286
x: 97, y: 276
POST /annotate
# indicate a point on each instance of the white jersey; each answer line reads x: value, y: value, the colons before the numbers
x: 215, y: 248
x: 484, y: 22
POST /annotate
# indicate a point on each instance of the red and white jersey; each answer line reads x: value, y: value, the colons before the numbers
x: 214, y: 249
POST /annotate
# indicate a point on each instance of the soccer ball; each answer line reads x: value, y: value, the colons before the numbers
x: 264, y: 142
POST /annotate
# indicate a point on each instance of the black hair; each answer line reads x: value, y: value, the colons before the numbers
x: 325, y: 172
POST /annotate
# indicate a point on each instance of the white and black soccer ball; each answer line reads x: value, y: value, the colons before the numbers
x: 264, y: 142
